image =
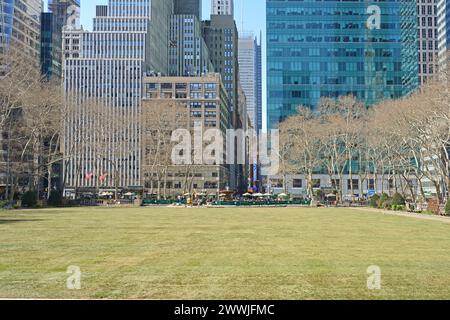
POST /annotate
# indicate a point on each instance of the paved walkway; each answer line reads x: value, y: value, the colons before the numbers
x: 408, y: 215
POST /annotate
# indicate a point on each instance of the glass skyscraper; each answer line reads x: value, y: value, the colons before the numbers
x: 332, y: 48
x: 20, y: 24
x: 52, y: 24
x: 6, y: 20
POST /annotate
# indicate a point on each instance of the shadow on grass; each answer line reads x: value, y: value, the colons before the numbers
x: 12, y: 221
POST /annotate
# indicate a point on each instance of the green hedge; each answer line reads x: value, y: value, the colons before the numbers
x: 398, y: 200
x: 261, y: 203
x: 29, y: 199
x: 55, y: 199
x: 161, y: 202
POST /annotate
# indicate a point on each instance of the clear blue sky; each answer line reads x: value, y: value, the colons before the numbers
x: 253, y: 11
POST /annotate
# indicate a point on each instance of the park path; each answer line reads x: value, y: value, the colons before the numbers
x: 408, y: 215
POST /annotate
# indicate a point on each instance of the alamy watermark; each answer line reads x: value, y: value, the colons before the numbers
x: 374, y: 279
x: 374, y: 21
x: 73, y: 17
x: 74, y: 280
x: 215, y: 147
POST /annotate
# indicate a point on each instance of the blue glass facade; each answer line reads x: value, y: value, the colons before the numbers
x: 447, y: 22
x: 326, y: 49
x: 6, y: 20
x: 47, y: 44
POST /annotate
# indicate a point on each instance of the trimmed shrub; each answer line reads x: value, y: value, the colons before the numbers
x: 29, y: 199
x: 398, y: 200
x: 55, y: 199
x: 373, y: 203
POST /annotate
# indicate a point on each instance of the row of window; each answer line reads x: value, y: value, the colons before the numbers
x: 335, y: 66
x: 180, y: 86
x: 326, y: 39
x: 335, y: 183
x: 334, y: 52
x: 329, y: 26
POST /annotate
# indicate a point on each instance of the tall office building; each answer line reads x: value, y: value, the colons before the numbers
x: 338, y: 48
x: 129, y: 39
x: 221, y: 36
x: 52, y: 24
x: 188, y: 52
x: 445, y: 5
x: 259, y: 97
x: 443, y: 9
x: 251, y: 80
x: 222, y: 7
x: 248, y: 73
x: 50, y: 64
x: 428, y: 36
x: 208, y: 105
x: 188, y: 7
x: 64, y: 9
x: 20, y: 24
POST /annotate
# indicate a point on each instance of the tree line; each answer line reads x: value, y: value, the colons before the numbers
x: 402, y: 141
x: 30, y: 126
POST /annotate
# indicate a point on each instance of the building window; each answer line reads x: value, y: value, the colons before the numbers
x: 297, y: 183
x: 371, y: 184
x: 353, y: 184
x: 277, y: 183
x: 196, y: 86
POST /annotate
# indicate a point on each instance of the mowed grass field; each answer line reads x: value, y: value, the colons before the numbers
x: 178, y: 253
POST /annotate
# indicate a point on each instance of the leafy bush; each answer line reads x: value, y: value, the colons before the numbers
x: 396, y: 207
x: 55, y: 199
x: 29, y: 199
x: 320, y: 195
x: 384, y: 201
x: 373, y: 203
x: 398, y: 200
x: 447, y: 208
x: 387, y: 205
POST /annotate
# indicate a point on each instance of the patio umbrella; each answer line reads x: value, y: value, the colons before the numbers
x: 247, y: 194
x: 258, y: 195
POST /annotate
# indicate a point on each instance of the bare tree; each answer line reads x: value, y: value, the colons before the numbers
x: 160, y: 118
x: 30, y: 108
x: 305, y: 146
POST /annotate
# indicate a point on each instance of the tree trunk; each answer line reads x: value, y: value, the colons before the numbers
x: 49, y: 184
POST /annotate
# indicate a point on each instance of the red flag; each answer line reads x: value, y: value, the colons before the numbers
x: 89, y: 176
x: 103, y: 177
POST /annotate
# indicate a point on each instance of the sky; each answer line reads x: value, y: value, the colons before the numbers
x: 250, y: 15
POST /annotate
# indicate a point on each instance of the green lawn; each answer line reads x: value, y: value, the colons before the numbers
x: 177, y: 253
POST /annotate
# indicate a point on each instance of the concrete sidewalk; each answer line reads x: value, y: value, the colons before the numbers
x: 405, y: 214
